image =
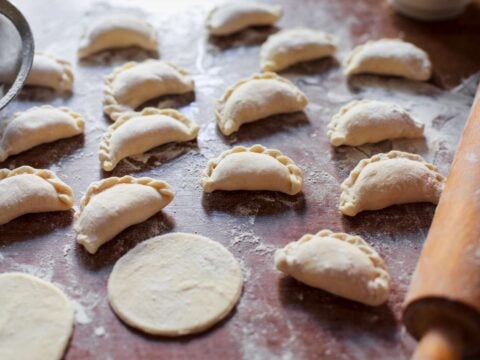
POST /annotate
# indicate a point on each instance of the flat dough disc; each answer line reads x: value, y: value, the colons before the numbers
x: 175, y: 284
x: 36, y: 318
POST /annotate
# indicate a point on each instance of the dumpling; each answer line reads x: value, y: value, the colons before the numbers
x: 256, y: 98
x: 371, y: 121
x: 342, y: 264
x: 388, y: 179
x: 256, y: 168
x: 135, y: 133
x: 111, y: 205
x: 26, y: 190
x: 39, y: 125
x: 117, y: 31
x: 50, y: 72
x: 234, y: 16
x: 391, y: 57
x: 133, y: 84
x: 291, y: 46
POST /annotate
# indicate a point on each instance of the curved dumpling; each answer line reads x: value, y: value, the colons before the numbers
x: 39, y: 125
x: 135, y: 133
x: 391, y: 57
x: 256, y: 168
x: 111, y: 205
x: 234, y: 16
x: 133, y: 84
x: 291, y: 46
x: 370, y: 121
x: 48, y: 71
x: 256, y: 98
x: 342, y: 264
x: 388, y: 179
x: 27, y: 190
x: 117, y: 31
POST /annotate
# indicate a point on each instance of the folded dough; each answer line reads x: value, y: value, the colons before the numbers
x: 256, y: 98
x: 111, y: 205
x: 51, y: 72
x: 342, y: 264
x: 371, y: 121
x: 133, y: 84
x: 234, y: 16
x: 256, y: 168
x: 291, y: 46
x: 135, y: 133
x: 388, y: 179
x: 39, y: 125
x: 27, y: 190
x: 117, y: 31
x: 391, y: 57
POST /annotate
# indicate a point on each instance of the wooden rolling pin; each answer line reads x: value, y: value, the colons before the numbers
x: 442, y: 307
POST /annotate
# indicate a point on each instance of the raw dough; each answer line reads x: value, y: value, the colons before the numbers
x: 51, y: 72
x: 117, y: 31
x: 27, y: 190
x: 136, y: 133
x: 255, y: 168
x: 39, y: 125
x: 342, y: 264
x: 133, y: 84
x: 391, y: 57
x: 256, y: 98
x: 175, y: 284
x: 370, y: 121
x: 111, y: 205
x: 388, y: 179
x: 291, y: 46
x: 234, y: 16
x: 36, y: 318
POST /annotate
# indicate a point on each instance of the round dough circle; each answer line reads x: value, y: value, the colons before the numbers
x: 36, y: 318
x: 175, y: 284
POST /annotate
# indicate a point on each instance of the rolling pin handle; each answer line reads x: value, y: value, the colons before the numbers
x: 439, y: 343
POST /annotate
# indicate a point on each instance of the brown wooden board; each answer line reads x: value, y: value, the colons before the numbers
x: 277, y: 317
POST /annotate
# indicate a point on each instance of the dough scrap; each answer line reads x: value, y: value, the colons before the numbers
x: 51, y: 72
x: 26, y: 190
x: 234, y: 16
x: 256, y: 98
x: 291, y: 46
x: 254, y: 168
x: 371, y: 121
x: 390, y: 57
x: 388, y: 179
x: 117, y: 31
x: 136, y: 133
x: 111, y: 205
x: 39, y: 125
x: 36, y: 318
x: 342, y: 264
x: 133, y: 84
x: 175, y: 284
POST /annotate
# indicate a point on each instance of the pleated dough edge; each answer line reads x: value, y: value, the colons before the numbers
x: 67, y: 75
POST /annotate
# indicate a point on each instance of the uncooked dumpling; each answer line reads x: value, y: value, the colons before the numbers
x: 111, y: 205
x: 291, y: 46
x: 388, y: 179
x: 133, y: 84
x: 391, y: 57
x: 370, y: 121
x: 234, y: 16
x: 256, y: 168
x: 175, y: 284
x: 36, y: 318
x: 51, y: 72
x: 256, y: 98
x: 117, y: 31
x: 39, y: 125
x: 342, y: 264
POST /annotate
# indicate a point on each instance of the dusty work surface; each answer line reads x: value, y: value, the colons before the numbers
x: 276, y: 316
